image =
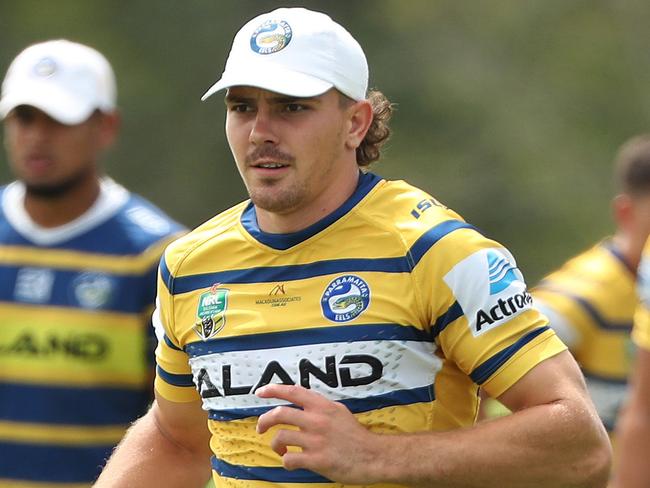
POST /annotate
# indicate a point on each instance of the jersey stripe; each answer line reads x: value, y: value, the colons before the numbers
x: 355, y: 405
x: 175, y: 379
x: 598, y: 320
x: 65, y: 434
x: 432, y: 236
x: 128, y: 264
x: 399, y: 264
x: 170, y: 343
x: 123, y: 300
x: 62, y: 464
x: 483, y: 372
x: 454, y: 312
x: 275, y: 475
x: 320, y: 335
x: 92, y: 406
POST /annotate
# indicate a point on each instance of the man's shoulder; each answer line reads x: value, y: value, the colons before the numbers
x: 593, y: 288
x: 410, y: 212
x: 143, y: 224
x: 212, y: 233
x: 597, y: 266
x: 148, y: 217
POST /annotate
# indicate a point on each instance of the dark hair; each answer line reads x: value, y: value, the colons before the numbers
x: 633, y: 166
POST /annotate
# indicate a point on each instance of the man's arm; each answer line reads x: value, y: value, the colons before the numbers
x: 166, y: 448
x: 554, y: 438
x: 633, y: 430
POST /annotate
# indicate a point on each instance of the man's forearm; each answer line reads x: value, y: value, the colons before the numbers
x: 146, y: 457
x: 544, y: 446
x: 631, y: 469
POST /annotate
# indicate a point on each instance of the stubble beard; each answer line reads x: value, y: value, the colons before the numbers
x: 277, y: 200
x: 270, y: 194
x: 59, y: 189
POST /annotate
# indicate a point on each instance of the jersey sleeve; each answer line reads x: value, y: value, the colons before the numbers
x: 173, y: 374
x: 641, y: 330
x: 482, y: 314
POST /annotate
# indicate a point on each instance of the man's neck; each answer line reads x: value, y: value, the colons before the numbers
x: 54, y: 211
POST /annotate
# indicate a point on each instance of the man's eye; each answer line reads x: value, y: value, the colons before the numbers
x: 294, y: 107
x: 24, y: 114
x: 240, y: 107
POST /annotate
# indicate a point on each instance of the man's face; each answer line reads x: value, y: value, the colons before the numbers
x: 48, y: 156
x: 291, y: 152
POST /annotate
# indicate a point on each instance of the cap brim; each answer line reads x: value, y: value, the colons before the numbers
x: 274, y: 79
x: 58, y: 104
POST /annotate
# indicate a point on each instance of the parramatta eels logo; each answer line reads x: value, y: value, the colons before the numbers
x: 270, y: 37
x: 45, y: 67
x: 211, y: 312
x: 93, y: 290
x: 345, y: 298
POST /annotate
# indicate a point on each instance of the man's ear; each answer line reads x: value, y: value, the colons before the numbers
x: 623, y: 211
x: 360, y: 117
x: 109, y: 128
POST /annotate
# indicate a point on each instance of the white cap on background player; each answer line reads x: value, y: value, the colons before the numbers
x: 66, y: 80
x: 296, y: 52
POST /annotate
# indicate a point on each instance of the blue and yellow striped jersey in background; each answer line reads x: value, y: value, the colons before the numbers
x: 392, y: 305
x: 641, y: 331
x: 75, y: 355
x: 590, y: 302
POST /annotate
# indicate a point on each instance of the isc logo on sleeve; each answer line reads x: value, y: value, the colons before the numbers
x: 489, y: 288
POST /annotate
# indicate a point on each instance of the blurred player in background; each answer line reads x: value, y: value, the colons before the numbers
x: 365, y: 302
x: 590, y: 301
x: 633, y: 428
x: 78, y: 259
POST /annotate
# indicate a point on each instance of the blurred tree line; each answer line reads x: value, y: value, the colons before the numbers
x: 510, y: 112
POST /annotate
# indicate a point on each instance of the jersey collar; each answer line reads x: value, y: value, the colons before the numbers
x: 367, y: 181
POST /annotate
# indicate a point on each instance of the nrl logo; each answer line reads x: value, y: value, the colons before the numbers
x: 211, y: 312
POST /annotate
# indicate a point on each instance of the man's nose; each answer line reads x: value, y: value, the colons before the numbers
x: 263, y: 130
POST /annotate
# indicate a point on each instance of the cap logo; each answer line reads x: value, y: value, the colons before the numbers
x: 270, y: 37
x: 45, y: 67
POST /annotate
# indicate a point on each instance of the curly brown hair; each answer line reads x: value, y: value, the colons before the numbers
x: 379, y: 131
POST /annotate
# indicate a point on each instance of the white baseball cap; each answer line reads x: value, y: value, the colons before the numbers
x: 66, y: 80
x: 296, y: 52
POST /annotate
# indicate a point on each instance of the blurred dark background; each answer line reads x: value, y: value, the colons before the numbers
x: 509, y: 112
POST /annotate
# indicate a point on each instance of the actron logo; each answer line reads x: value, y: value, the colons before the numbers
x: 502, y: 273
x: 504, y: 308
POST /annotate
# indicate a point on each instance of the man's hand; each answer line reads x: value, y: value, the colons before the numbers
x: 331, y: 440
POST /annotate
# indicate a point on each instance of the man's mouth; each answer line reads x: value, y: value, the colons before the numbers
x: 270, y: 165
x: 38, y: 160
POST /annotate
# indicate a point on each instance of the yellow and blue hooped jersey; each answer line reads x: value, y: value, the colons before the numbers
x: 75, y: 355
x: 590, y: 302
x: 392, y: 305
